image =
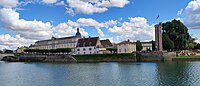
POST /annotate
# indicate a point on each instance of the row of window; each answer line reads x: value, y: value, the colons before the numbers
x: 89, y: 53
x: 121, y: 50
x: 84, y: 49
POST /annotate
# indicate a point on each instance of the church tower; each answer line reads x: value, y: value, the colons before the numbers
x: 78, y: 34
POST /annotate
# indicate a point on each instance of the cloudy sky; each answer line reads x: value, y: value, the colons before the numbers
x: 22, y: 22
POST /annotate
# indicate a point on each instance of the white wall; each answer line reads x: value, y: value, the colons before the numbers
x: 87, y: 50
x: 126, y: 48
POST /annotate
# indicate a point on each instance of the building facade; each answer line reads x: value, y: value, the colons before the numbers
x: 91, y: 45
x: 55, y: 43
x: 146, y: 46
x: 126, y: 47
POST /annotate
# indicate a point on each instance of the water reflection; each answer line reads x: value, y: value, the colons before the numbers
x: 100, y: 74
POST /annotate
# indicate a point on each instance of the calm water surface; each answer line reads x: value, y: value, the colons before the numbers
x: 100, y: 74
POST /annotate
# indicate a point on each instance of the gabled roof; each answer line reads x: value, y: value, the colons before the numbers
x: 85, y: 42
x: 126, y: 42
x: 106, y: 43
x: 53, y: 38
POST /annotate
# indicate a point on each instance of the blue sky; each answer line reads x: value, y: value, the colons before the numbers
x: 22, y: 22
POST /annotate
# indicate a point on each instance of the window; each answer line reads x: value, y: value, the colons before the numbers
x: 90, y: 52
x: 90, y: 48
x: 83, y: 49
x: 124, y: 50
x: 78, y: 49
x: 84, y: 52
x: 119, y: 50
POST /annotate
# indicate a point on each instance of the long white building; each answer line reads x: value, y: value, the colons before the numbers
x: 55, y: 43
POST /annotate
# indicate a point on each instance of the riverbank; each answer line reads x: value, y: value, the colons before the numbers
x: 130, y: 57
x: 72, y: 58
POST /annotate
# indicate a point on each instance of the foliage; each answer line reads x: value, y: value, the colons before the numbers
x: 197, y: 46
x: 9, y: 51
x: 190, y: 44
x: 167, y: 42
x: 177, y: 33
x: 1, y: 51
x: 44, y: 51
x: 138, y: 45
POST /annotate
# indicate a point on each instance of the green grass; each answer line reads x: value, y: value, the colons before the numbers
x: 188, y: 56
x: 103, y: 56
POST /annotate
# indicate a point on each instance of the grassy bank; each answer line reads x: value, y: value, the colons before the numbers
x: 187, y: 56
x: 104, y: 57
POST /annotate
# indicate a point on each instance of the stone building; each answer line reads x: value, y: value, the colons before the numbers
x: 146, y: 45
x: 126, y: 47
x: 158, y: 37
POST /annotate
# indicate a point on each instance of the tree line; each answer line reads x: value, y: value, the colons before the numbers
x: 45, y: 51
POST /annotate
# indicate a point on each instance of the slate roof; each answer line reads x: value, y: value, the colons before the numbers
x: 106, y: 43
x: 56, y: 39
x: 85, y: 42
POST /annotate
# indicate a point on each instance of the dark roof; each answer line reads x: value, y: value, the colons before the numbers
x: 125, y: 42
x: 146, y: 42
x: 84, y: 42
x: 106, y: 43
x: 56, y: 39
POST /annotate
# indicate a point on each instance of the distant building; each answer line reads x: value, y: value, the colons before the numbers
x: 21, y: 49
x: 158, y: 37
x: 107, y: 44
x: 91, y: 45
x: 126, y: 47
x: 55, y: 43
x: 146, y: 46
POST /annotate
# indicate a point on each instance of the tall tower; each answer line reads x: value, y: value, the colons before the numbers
x: 78, y: 34
x: 158, y: 37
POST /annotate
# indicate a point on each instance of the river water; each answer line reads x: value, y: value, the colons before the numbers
x: 100, y: 74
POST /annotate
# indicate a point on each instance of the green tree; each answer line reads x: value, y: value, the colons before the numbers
x: 197, y: 46
x: 138, y: 45
x: 9, y: 51
x: 190, y: 44
x: 112, y: 50
x: 177, y: 32
x: 168, y: 44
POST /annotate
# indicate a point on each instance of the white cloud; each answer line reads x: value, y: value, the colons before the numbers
x: 61, y: 3
x: 49, y: 1
x: 79, y: 6
x: 9, y: 42
x: 8, y: 3
x: 112, y: 3
x: 63, y: 30
x: 29, y: 29
x: 136, y: 29
x: 180, y: 12
x: 192, y: 19
x: 93, y: 6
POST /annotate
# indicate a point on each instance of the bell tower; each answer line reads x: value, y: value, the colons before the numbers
x: 78, y: 34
